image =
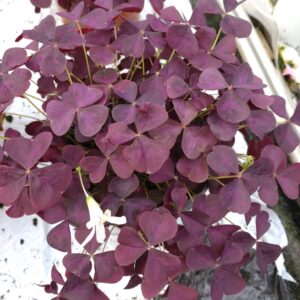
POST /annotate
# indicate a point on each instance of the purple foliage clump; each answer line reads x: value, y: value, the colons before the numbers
x: 140, y: 119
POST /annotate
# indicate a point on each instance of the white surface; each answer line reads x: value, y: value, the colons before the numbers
x: 286, y: 14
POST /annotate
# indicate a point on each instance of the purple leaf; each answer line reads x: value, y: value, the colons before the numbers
x: 235, y: 26
x: 56, y: 276
x: 96, y: 19
x: 185, y: 110
x: 157, y: 5
x: 232, y: 254
x: 212, y: 79
x: 77, y: 100
x: 120, y: 164
x: 167, y: 133
x: 41, y: 3
x: 215, y: 160
x: 181, y: 38
x: 47, y: 185
x: 171, y: 14
x: 125, y: 113
x: 209, y: 7
x: 74, y: 14
x: 146, y: 155
x: 166, y: 173
x: 61, y: 116
x: 60, y: 237
x: 78, y: 264
x: 107, y: 4
x: 106, y: 268
x: 160, y: 268
x: 262, y: 224
x: 133, y: 207
x: 134, y: 45
x: 193, y: 222
x: 102, y: 55
x: 149, y: 116
x: 12, y: 182
x: 51, y: 61
x: 211, y: 206
x: 232, y: 109
x: 289, y: 180
x: 200, y: 258
x: 296, y: 115
x: 44, y: 32
x: 80, y: 95
x: 223, y: 130
x: 261, y: 122
x: 91, y: 119
x: 286, y: 137
x: 32, y: 150
x: 130, y: 247
x: 226, y: 282
x: 12, y: 58
x: 176, y: 87
x: 126, y: 89
x: 266, y: 254
x: 95, y: 167
x: 261, y: 101
x: 237, y: 196
x: 179, y: 291
x: 195, y: 170
x: 77, y: 289
x: 226, y: 49
x: 119, y: 133
x: 158, y: 225
x: 123, y: 187
x: 72, y: 154
x: 279, y: 108
x: 196, y: 140
x: 243, y: 78
x: 230, y: 5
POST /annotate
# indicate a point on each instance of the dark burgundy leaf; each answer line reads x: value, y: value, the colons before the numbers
x: 78, y: 264
x: 179, y: 291
x: 215, y: 160
x: 181, y: 38
x: 237, y: 196
x: 60, y: 237
x: 266, y: 254
x: 195, y: 170
x: 130, y: 248
x: 236, y: 26
x: 158, y: 225
x: 106, y: 268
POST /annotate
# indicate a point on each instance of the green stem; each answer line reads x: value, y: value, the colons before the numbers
x: 69, y: 75
x: 143, y: 65
x: 34, y: 97
x: 222, y: 177
x: 171, y: 56
x: 130, y: 69
x: 37, y: 108
x: 216, y: 40
x: 85, y: 54
x: 242, y: 126
x: 75, y: 77
x: 78, y: 170
x: 4, y: 138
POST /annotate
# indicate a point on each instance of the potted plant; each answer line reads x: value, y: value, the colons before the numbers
x: 137, y: 138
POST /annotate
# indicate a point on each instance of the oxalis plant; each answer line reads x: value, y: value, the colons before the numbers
x: 136, y: 141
